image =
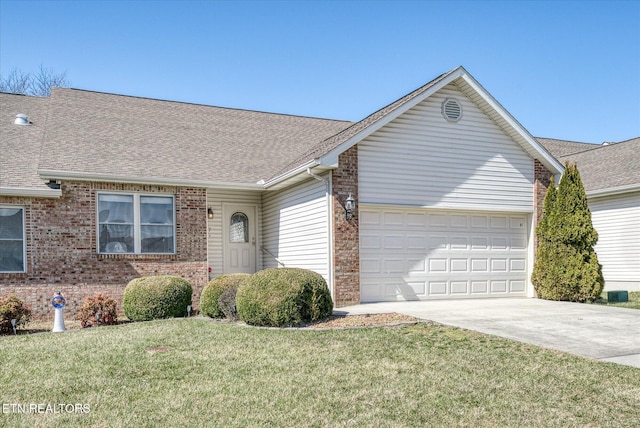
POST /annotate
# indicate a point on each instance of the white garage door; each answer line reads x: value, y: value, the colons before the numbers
x: 413, y: 254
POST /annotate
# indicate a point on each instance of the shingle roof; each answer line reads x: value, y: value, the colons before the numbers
x: 19, y: 144
x: 559, y: 148
x: 601, y: 167
x: 100, y: 134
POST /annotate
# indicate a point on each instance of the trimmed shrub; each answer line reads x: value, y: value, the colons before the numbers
x: 155, y: 297
x: 566, y: 265
x: 227, y: 303
x: 209, y: 299
x: 99, y: 304
x: 12, y: 307
x: 281, y: 297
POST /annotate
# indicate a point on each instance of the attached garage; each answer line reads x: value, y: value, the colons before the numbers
x: 420, y: 254
x: 446, y: 206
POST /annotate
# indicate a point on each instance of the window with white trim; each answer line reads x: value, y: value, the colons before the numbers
x: 12, y: 239
x: 136, y: 224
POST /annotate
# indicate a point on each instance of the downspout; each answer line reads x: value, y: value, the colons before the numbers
x: 329, y: 225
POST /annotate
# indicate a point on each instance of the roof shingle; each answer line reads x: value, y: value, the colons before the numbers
x: 20, y: 144
x: 601, y: 167
x: 137, y: 138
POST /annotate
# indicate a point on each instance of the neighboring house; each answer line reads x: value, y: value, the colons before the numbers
x: 100, y: 188
x: 611, y: 176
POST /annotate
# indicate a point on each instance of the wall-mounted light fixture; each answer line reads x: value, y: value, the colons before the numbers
x: 349, y: 207
x: 210, y: 213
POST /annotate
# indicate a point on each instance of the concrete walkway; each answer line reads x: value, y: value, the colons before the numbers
x: 595, y: 331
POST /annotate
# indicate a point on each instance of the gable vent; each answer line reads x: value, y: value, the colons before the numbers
x: 451, y: 110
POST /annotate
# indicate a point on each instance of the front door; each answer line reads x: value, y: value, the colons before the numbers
x: 239, y: 234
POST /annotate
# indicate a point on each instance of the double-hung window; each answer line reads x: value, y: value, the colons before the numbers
x: 136, y: 224
x: 12, y: 239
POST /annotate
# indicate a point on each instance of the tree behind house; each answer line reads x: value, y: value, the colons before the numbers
x: 566, y: 265
x: 38, y: 84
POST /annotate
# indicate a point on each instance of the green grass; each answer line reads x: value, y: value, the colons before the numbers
x: 217, y: 374
x: 633, y: 303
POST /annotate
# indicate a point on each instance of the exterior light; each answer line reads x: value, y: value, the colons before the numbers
x: 210, y: 213
x: 349, y: 207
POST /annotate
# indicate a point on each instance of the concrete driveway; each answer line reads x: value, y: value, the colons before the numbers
x: 595, y: 331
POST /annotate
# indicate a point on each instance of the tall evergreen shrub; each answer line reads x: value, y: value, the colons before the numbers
x: 566, y: 265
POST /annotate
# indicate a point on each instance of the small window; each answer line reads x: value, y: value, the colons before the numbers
x: 239, y: 228
x: 12, y: 239
x: 451, y: 110
x: 136, y: 224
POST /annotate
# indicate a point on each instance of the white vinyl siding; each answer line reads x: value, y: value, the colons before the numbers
x: 296, y: 227
x: 420, y: 254
x: 215, y: 200
x: 422, y: 160
x: 617, y: 220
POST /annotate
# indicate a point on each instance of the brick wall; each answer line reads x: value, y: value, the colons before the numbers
x: 62, y: 248
x: 542, y: 177
x: 346, y: 250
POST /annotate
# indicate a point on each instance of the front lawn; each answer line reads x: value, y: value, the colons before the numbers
x: 194, y: 372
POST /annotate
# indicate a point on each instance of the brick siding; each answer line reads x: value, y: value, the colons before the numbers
x: 62, y: 248
x: 346, y: 251
x: 542, y: 178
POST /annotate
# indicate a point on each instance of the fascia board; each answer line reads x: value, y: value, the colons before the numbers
x: 29, y: 192
x: 613, y: 191
x: 547, y: 159
x: 331, y: 158
x: 289, y: 174
x: 83, y: 176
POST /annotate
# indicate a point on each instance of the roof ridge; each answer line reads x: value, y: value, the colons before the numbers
x: 196, y: 104
x: 565, y: 141
x: 630, y: 140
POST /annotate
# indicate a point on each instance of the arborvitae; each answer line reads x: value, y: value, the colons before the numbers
x: 566, y: 265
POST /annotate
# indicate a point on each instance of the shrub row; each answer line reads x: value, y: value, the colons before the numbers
x: 272, y: 297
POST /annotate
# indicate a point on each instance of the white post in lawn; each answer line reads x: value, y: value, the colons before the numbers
x: 58, y: 303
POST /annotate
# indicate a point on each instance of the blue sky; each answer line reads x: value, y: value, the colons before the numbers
x: 563, y: 69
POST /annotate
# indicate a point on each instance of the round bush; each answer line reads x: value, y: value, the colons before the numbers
x: 211, y: 294
x: 154, y: 297
x: 283, y: 297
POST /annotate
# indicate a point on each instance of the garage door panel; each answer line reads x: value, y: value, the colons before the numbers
x: 393, y: 242
x: 438, y: 288
x: 369, y: 241
x: 479, y: 265
x: 420, y: 254
x: 517, y: 286
x: 370, y: 266
x: 479, y: 287
x: 458, y: 265
x: 499, y: 286
x: 518, y: 265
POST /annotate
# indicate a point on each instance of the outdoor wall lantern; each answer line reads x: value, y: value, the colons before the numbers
x: 210, y: 213
x: 349, y: 207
